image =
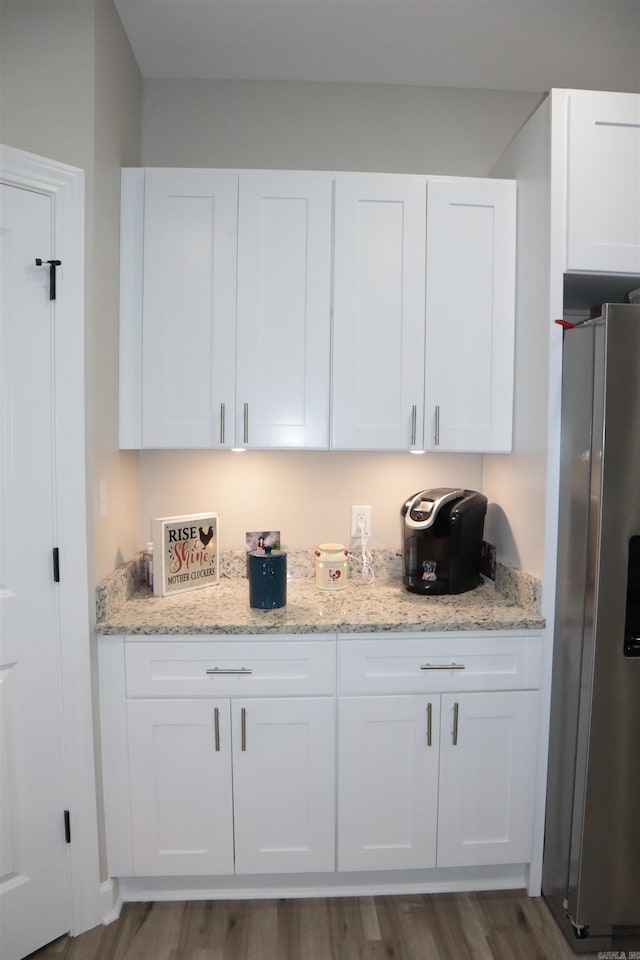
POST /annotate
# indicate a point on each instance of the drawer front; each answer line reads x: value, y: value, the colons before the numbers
x: 229, y: 668
x: 439, y: 664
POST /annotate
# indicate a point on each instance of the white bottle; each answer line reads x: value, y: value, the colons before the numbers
x: 148, y: 564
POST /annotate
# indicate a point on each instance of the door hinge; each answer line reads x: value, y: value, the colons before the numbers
x: 67, y: 826
x: 56, y: 565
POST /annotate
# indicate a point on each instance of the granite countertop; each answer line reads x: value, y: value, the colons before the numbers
x: 383, y: 606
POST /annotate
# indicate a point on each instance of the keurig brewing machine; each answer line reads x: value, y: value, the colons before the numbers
x: 442, y: 540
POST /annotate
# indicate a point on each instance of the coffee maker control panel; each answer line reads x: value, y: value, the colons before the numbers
x: 420, y: 512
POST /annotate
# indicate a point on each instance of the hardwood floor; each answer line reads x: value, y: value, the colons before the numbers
x: 506, y: 925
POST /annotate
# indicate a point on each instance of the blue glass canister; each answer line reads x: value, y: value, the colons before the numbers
x: 267, y: 579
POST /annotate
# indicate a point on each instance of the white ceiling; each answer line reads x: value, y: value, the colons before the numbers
x: 521, y: 45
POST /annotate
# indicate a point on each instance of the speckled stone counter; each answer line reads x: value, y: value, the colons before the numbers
x: 379, y: 607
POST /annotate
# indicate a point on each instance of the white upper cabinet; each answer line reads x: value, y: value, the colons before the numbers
x: 283, y: 315
x: 470, y: 315
x: 378, y: 312
x: 185, y: 319
x: 603, y: 182
x: 226, y: 330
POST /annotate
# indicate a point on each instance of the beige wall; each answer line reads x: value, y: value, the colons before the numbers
x: 48, y: 85
x: 308, y: 496
x: 71, y: 91
x: 328, y: 126
x: 517, y: 484
x: 118, y: 117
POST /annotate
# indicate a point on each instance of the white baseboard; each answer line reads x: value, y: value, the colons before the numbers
x: 512, y: 877
x: 110, y: 901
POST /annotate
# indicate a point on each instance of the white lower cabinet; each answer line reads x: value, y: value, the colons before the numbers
x: 219, y: 756
x: 441, y: 781
x: 443, y: 778
x: 388, y: 782
x: 284, y: 785
x: 207, y: 771
x: 210, y: 775
x: 181, y: 787
x: 487, y: 777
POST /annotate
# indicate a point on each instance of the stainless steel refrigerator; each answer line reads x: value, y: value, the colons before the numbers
x: 591, y: 872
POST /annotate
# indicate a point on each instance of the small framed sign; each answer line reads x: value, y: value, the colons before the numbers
x: 185, y: 553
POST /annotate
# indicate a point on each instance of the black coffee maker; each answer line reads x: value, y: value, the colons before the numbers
x: 442, y: 540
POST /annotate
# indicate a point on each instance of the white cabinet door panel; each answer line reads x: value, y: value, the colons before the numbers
x: 181, y: 801
x: 470, y: 315
x: 378, y: 314
x: 189, y: 307
x: 283, y: 321
x: 603, y: 182
x: 487, y: 778
x: 388, y: 782
x: 284, y: 785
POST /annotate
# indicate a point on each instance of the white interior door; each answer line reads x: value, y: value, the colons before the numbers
x: 34, y: 883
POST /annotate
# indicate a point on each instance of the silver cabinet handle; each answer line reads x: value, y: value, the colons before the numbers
x: 225, y: 671
x: 222, y: 411
x: 414, y: 419
x: 246, y: 423
x: 429, y: 713
x: 456, y: 708
x: 243, y: 728
x: 436, y: 429
x: 216, y: 728
x: 442, y: 666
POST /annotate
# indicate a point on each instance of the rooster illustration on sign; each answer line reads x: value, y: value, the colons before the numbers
x: 205, y: 538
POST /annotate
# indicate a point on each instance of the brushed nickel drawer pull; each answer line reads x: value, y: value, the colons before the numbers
x: 436, y: 432
x: 243, y: 728
x: 216, y: 728
x: 246, y: 423
x: 442, y: 666
x: 456, y: 710
x: 222, y: 411
x: 429, y: 712
x: 414, y: 418
x: 225, y: 671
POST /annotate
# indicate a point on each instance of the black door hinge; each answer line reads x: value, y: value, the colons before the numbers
x: 67, y: 826
x: 52, y: 274
x: 56, y: 565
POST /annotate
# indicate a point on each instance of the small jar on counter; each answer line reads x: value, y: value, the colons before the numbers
x: 331, y: 566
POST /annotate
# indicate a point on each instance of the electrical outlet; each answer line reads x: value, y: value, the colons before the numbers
x: 488, y: 560
x: 360, y: 521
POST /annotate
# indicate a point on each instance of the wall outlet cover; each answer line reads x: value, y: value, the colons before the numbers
x: 488, y: 560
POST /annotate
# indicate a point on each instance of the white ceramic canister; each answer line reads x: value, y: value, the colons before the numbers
x: 331, y: 566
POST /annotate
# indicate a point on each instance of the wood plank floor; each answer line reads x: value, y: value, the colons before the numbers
x: 467, y: 926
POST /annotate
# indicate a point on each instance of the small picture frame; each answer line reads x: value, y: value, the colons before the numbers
x: 185, y: 553
x: 259, y: 539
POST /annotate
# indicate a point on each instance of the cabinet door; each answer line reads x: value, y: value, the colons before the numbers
x: 487, y: 778
x: 284, y: 785
x: 378, y: 312
x: 283, y: 325
x: 180, y: 774
x: 388, y: 782
x: 603, y: 182
x: 189, y: 308
x: 470, y: 315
